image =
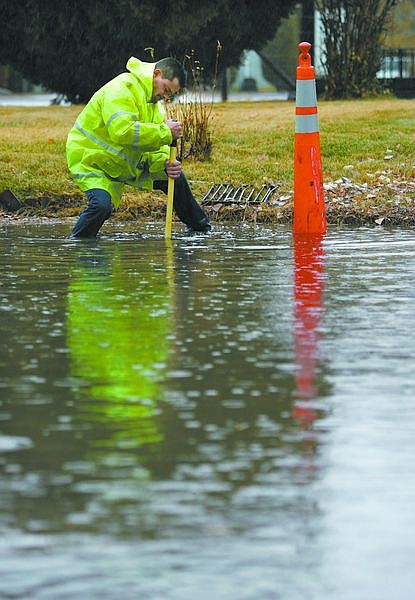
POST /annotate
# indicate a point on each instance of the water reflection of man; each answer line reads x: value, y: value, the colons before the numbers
x: 117, y: 336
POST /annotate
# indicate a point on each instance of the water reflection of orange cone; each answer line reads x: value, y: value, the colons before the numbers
x: 309, y: 209
x: 308, y: 314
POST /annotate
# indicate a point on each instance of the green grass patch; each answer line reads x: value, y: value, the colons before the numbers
x: 252, y: 144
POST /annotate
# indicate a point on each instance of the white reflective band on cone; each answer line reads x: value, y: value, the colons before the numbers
x: 305, y: 93
x: 306, y: 124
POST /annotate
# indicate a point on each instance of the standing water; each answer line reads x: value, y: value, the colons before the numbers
x: 225, y: 417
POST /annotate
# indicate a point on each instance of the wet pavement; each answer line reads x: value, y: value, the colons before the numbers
x: 228, y: 416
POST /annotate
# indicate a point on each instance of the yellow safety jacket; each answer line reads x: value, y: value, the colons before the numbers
x: 120, y: 137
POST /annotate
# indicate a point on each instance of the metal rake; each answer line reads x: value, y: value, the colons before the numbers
x: 225, y: 193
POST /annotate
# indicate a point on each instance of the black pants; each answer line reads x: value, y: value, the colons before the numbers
x: 184, y: 204
x: 98, y: 209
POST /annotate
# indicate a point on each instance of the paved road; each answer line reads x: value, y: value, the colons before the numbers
x: 9, y: 99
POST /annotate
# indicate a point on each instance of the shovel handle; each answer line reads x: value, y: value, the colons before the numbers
x: 170, y: 193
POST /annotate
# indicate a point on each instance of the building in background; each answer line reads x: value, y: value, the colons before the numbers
x: 250, y: 76
x: 280, y: 55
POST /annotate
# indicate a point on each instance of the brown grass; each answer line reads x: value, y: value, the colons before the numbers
x: 252, y: 143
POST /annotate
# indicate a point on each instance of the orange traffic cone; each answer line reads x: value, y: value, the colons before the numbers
x: 309, y: 209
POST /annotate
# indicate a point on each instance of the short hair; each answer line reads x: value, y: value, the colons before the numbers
x: 171, y: 68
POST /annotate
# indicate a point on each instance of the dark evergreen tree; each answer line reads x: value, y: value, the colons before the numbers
x: 74, y: 47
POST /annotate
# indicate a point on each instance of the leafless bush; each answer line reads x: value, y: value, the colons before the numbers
x: 352, y: 35
x: 195, y: 111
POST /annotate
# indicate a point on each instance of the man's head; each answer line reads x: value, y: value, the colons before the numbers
x: 168, y: 79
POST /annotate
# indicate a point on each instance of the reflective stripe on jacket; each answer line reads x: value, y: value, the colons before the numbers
x: 120, y: 136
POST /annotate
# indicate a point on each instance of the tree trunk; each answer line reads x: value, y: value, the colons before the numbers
x: 307, y: 22
x: 224, y: 86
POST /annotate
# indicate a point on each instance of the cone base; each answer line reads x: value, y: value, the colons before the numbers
x: 309, y: 208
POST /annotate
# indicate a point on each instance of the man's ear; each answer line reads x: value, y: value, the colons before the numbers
x: 156, y: 73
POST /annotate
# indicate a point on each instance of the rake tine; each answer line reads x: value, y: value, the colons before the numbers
x: 206, y: 196
x: 221, y: 191
x: 225, y: 197
x: 264, y: 192
x: 256, y: 199
x: 239, y: 194
x: 271, y: 189
x: 250, y: 194
x: 217, y: 193
x: 235, y: 194
x: 242, y: 190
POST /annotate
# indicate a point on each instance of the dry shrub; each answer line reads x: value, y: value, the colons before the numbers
x: 195, y: 112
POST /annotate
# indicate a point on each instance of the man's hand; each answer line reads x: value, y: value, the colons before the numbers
x: 173, y: 169
x: 175, y: 127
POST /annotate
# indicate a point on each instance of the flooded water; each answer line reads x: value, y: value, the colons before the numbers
x: 228, y: 417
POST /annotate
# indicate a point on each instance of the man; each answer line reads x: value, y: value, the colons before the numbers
x: 122, y: 137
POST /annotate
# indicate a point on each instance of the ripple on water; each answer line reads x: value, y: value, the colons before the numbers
x: 222, y: 417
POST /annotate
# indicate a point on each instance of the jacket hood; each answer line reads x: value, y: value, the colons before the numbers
x: 144, y: 72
